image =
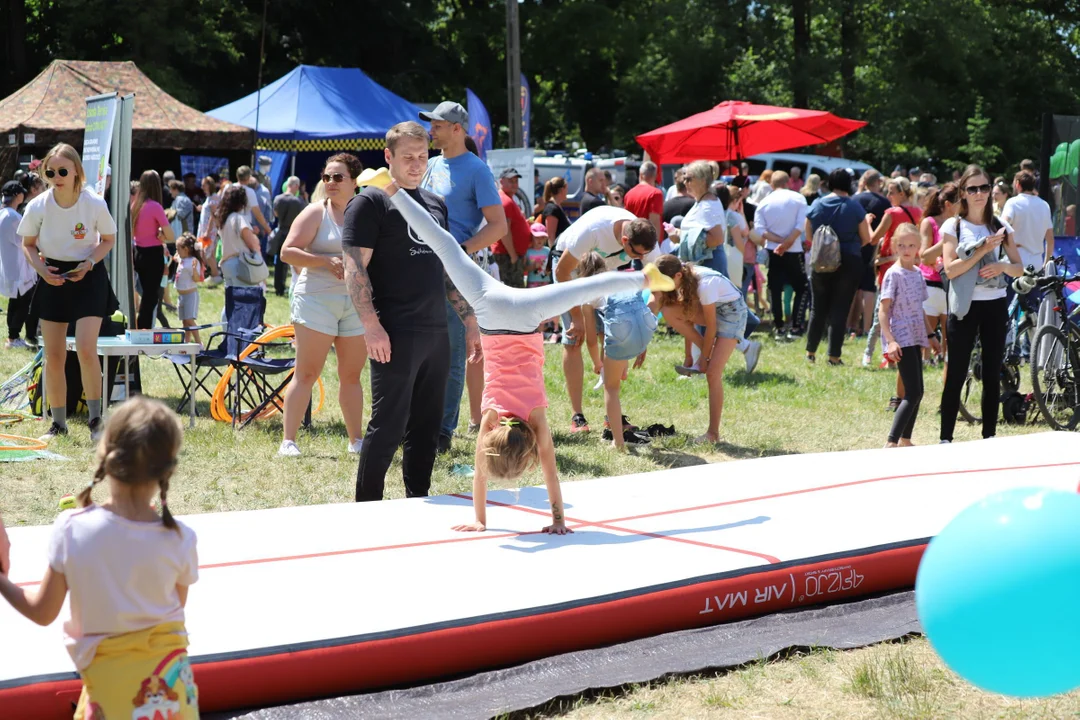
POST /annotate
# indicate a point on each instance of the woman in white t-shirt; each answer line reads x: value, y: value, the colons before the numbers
x: 704, y: 298
x: 237, y: 237
x: 708, y: 213
x: 978, y: 251
x: 67, y: 232
x: 127, y: 570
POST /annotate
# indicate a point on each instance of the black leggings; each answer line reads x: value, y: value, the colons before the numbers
x: 985, y: 320
x: 150, y: 267
x: 911, y: 372
x: 832, y: 295
x: 406, y: 409
x: 786, y: 269
x: 19, y: 316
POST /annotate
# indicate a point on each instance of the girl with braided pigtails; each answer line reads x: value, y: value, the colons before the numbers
x: 514, y: 434
x: 128, y: 570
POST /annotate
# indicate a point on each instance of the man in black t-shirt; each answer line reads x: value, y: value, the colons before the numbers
x: 400, y: 291
x: 871, y: 198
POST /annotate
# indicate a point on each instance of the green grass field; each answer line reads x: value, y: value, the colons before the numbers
x: 786, y: 406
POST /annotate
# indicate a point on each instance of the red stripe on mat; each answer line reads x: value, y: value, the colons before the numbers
x: 837, y: 485
x: 598, y: 523
x: 641, y: 533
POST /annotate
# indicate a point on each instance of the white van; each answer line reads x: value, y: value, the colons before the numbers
x: 820, y: 165
x: 624, y: 170
x: 572, y: 170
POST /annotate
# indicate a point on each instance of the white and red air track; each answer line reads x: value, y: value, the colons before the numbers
x: 303, y: 602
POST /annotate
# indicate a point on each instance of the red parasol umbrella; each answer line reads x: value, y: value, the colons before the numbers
x: 734, y: 130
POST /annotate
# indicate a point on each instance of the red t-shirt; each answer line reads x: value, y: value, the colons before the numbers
x: 519, y: 227
x: 644, y: 199
x: 899, y: 215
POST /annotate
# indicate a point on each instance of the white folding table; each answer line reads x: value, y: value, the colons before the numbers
x: 120, y: 346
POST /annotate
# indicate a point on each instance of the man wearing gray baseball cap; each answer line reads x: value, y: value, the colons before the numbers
x: 468, y: 187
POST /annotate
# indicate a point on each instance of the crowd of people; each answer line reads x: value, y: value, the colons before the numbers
x: 449, y: 282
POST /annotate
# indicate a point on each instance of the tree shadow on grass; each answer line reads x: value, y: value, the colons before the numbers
x: 758, y: 378
x: 570, y: 465
x: 673, y: 458
x: 741, y: 452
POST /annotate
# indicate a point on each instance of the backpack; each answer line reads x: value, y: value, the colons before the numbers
x: 76, y: 398
x: 825, y: 248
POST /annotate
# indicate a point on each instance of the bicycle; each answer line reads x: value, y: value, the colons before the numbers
x: 1014, y: 405
x: 1055, y: 353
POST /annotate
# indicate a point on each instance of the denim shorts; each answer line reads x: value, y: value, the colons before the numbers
x: 331, y: 314
x: 628, y: 326
x: 731, y: 319
x: 188, y: 306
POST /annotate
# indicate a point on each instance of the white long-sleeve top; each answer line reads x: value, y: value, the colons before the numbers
x: 16, y: 275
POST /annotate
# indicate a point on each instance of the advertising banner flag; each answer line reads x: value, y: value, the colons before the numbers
x: 97, y: 141
x: 526, y: 102
x: 479, y: 123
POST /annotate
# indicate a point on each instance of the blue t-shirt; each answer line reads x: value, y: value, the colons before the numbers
x: 466, y: 184
x: 844, y: 215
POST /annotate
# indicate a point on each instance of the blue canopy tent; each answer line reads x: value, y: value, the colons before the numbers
x: 314, y: 112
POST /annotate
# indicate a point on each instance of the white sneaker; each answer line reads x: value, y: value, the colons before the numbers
x: 867, y: 360
x: 214, y: 281
x: 288, y: 449
x: 752, y: 354
x: 15, y: 344
x: 355, y: 445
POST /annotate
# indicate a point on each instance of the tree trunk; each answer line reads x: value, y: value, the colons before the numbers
x: 800, y: 65
x: 849, y: 51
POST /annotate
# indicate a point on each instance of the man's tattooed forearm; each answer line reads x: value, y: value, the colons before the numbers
x: 556, y: 513
x: 357, y: 282
x: 460, y: 305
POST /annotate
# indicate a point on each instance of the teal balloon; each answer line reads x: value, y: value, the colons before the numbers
x: 998, y: 593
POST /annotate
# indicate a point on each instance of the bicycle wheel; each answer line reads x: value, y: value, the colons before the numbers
x: 971, y: 393
x: 1053, y: 377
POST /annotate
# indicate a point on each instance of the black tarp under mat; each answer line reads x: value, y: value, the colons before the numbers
x: 485, y: 695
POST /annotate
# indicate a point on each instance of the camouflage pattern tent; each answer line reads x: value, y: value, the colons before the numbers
x: 52, y: 108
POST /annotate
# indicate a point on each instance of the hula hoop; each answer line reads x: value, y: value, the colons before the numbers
x: 219, y: 409
x: 35, y: 444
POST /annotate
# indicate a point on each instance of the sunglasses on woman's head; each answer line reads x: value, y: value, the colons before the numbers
x: 52, y: 173
x: 336, y: 177
x: 977, y: 189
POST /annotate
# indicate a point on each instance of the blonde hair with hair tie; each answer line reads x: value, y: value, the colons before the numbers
x: 141, y: 444
x: 510, y: 449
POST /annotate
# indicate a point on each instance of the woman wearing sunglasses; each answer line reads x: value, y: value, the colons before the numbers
x: 323, y: 314
x: 67, y: 232
x: 979, y: 253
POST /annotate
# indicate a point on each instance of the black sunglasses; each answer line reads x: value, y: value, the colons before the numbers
x: 336, y: 177
x: 52, y: 173
x: 977, y: 189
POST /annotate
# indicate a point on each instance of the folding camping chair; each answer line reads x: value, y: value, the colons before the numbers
x: 244, y: 311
